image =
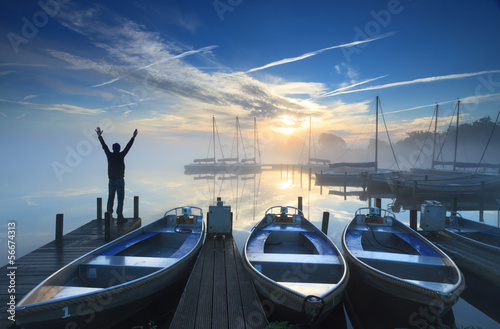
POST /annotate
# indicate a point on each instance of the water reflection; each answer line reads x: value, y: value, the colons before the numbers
x: 249, y: 196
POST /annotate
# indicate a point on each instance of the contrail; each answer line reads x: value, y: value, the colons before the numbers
x: 415, y: 81
x: 349, y: 87
x: 465, y: 100
x: 307, y: 55
x: 184, y: 54
x: 107, y: 82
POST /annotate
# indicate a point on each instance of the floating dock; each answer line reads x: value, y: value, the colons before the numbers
x: 219, y: 293
x: 33, y: 268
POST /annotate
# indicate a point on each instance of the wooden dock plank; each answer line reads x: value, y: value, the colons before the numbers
x: 234, y: 303
x: 190, y: 294
x: 254, y: 315
x: 226, y: 296
x: 204, y: 311
x: 219, y: 310
x: 31, y: 269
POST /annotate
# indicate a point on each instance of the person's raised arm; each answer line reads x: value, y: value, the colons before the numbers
x: 99, y: 131
x: 129, y: 144
x: 99, y: 134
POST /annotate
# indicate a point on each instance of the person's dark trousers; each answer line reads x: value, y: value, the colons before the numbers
x: 118, y: 186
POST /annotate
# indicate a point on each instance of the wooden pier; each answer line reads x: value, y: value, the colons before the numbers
x: 219, y: 293
x: 33, y: 268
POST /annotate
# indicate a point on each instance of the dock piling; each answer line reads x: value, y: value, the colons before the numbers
x: 321, y: 185
x: 136, y: 207
x: 413, y: 219
x: 99, y: 209
x: 324, y: 223
x: 299, y: 203
x: 310, y: 170
x: 107, y: 226
x: 59, y: 227
x: 481, y: 203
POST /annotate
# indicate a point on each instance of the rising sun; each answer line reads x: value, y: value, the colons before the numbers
x: 285, y: 124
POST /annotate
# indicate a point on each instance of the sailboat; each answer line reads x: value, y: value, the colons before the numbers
x: 315, y: 163
x: 226, y: 165
x: 356, y: 173
x: 456, y: 164
x: 446, y: 180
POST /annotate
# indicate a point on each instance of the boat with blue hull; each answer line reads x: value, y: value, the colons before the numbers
x: 117, y: 280
x: 480, y: 235
x: 474, y: 246
x: 295, y: 265
x: 387, y: 258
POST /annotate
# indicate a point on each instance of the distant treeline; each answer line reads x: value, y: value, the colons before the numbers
x: 418, y: 148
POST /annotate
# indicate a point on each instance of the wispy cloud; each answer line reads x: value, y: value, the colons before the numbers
x: 63, y: 193
x: 132, y: 56
x: 24, y: 64
x: 30, y: 97
x: 6, y: 72
x: 314, y: 53
x: 184, y: 54
x: 415, y: 81
x: 66, y: 108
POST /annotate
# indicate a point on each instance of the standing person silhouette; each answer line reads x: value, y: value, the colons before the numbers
x: 116, y: 172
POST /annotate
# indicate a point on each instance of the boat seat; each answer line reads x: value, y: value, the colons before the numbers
x: 422, y: 248
x: 116, y: 249
x: 353, y: 240
x: 106, y: 271
x: 256, y: 244
x: 292, y: 258
x: 187, y: 246
x: 322, y: 246
x: 59, y: 292
x: 131, y: 261
x: 397, y: 257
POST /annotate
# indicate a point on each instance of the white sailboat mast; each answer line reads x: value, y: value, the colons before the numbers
x: 376, y: 135
x: 456, y: 137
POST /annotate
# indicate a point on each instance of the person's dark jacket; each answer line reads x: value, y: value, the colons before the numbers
x: 116, y: 163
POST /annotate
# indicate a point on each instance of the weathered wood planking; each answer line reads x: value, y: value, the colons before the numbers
x: 219, y: 293
x: 33, y: 268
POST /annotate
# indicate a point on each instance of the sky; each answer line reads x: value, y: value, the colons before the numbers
x: 167, y: 67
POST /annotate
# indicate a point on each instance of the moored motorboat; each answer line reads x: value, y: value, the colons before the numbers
x: 115, y: 281
x: 481, y: 235
x: 387, y: 258
x: 475, y: 248
x: 295, y: 265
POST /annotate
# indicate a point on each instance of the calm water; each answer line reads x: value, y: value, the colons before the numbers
x: 249, y: 196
